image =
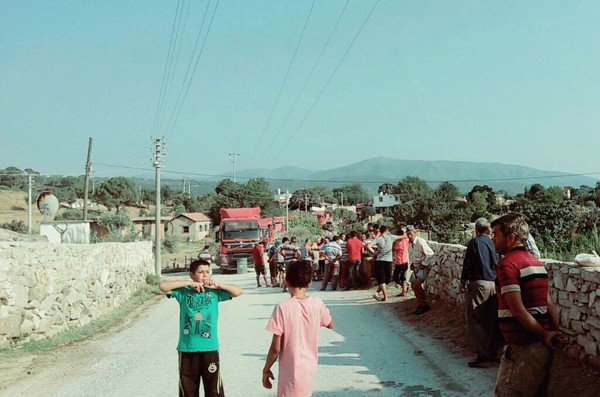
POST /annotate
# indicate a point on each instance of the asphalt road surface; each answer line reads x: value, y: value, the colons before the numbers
x: 368, y: 353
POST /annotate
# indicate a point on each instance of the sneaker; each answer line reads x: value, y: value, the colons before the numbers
x: 258, y: 286
x: 422, y: 310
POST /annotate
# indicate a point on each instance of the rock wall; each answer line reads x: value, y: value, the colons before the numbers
x: 573, y: 290
x: 47, y: 288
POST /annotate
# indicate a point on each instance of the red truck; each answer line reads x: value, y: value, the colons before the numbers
x: 239, y: 232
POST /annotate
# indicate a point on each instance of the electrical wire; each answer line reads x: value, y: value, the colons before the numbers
x: 312, y: 71
x: 356, y: 181
x: 328, y: 80
x: 287, y: 73
x: 177, y: 111
x: 165, y: 71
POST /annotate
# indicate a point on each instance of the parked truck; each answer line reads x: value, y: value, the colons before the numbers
x: 239, y: 232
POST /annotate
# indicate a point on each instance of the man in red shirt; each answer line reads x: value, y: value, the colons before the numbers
x: 259, y: 263
x: 527, y: 318
x: 355, y: 248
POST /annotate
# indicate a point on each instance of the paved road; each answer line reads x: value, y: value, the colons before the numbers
x: 369, y: 353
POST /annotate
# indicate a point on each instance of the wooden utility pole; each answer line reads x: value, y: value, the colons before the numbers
x: 233, y: 156
x: 29, y: 204
x: 88, y: 167
x: 159, y: 147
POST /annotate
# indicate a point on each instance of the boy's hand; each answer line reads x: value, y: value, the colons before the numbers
x: 266, y: 378
x: 199, y: 287
x: 212, y: 284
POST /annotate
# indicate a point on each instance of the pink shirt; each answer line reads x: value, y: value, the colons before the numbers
x: 401, y: 251
x: 298, y: 320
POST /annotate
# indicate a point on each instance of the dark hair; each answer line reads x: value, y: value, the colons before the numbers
x: 207, y: 247
x: 376, y: 226
x: 285, y: 240
x: 353, y: 234
x: 298, y: 274
x: 294, y: 239
x: 383, y: 229
x: 400, y: 232
x: 197, y: 263
x: 512, y: 223
x: 336, y: 238
x: 369, y: 224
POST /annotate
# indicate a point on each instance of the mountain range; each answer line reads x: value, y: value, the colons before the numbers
x: 372, y: 173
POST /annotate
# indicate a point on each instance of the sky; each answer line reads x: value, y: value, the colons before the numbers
x: 509, y: 82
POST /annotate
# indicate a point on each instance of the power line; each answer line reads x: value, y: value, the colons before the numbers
x: 165, y: 71
x: 287, y: 73
x: 314, y: 67
x: 174, y: 117
x: 357, y: 181
x: 329, y: 79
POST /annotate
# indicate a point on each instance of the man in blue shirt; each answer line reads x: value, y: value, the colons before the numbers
x: 481, y: 304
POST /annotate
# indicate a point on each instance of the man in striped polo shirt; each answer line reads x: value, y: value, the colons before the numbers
x: 528, y: 320
x: 290, y: 253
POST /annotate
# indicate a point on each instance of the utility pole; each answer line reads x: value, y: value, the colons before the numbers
x: 287, y: 211
x: 93, y: 183
x: 305, y: 202
x: 30, y: 204
x: 159, y: 147
x: 88, y: 166
x: 342, y: 197
x: 233, y: 155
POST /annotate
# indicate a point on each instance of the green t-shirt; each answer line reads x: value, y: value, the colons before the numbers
x: 198, y: 318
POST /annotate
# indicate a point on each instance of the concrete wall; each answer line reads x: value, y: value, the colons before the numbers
x: 47, y: 288
x: 572, y: 288
x: 67, y: 232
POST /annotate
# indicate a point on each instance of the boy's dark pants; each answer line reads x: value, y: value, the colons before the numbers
x: 204, y: 366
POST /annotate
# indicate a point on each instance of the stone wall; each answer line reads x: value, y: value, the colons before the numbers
x: 572, y: 288
x: 47, y: 288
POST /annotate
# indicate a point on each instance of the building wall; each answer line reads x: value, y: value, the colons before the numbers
x: 47, y: 288
x: 72, y: 233
x: 573, y: 290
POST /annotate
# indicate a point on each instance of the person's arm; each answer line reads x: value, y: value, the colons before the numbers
x: 428, y: 254
x: 272, y: 356
x: 466, y: 269
x: 331, y: 324
x: 515, y: 304
x: 552, y: 312
x: 232, y: 290
x: 369, y: 247
x: 167, y: 286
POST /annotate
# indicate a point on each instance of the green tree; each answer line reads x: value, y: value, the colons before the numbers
x: 351, y: 194
x: 180, y: 209
x: 115, y: 192
x: 306, y: 221
x: 114, y: 221
x: 70, y: 214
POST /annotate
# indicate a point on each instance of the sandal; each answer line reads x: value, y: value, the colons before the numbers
x: 377, y: 298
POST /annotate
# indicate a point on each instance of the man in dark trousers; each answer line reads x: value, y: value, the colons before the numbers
x: 481, y: 305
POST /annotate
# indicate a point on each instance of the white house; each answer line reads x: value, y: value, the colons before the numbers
x: 193, y: 226
x: 383, y: 203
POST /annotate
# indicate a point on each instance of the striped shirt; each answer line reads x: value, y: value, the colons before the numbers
x: 342, y: 245
x: 289, y: 252
x: 520, y: 271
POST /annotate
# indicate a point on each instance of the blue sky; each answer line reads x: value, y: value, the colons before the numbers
x: 507, y: 82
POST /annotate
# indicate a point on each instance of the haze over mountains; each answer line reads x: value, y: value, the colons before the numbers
x: 378, y: 170
x: 372, y: 173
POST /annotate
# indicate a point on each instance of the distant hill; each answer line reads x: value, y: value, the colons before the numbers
x: 375, y: 171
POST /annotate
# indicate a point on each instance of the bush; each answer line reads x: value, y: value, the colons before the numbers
x: 15, y: 226
x: 114, y: 221
x: 301, y: 233
x: 169, y: 244
x: 70, y: 214
x: 306, y: 221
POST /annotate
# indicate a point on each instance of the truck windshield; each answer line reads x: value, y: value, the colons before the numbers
x: 241, y: 229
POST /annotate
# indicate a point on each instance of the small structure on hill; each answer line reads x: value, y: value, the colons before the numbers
x: 191, y: 226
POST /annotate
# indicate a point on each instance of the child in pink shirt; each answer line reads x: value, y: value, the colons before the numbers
x: 295, y: 325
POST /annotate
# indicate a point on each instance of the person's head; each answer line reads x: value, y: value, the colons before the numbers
x: 482, y: 226
x: 200, y: 271
x: 264, y: 243
x: 298, y: 274
x: 411, y: 233
x: 206, y: 247
x: 376, y: 226
x: 319, y: 240
x: 369, y: 226
x: 510, y: 231
x: 343, y: 237
x: 383, y: 229
x: 372, y: 235
x: 285, y: 240
x: 307, y: 241
x: 294, y: 240
x: 326, y: 239
x: 400, y: 232
x: 363, y: 237
x: 353, y: 234
x: 336, y: 239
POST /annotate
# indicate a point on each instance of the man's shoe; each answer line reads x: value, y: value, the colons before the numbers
x: 480, y: 363
x: 422, y: 310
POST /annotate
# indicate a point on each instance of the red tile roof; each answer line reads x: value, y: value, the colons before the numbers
x: 197, y: 217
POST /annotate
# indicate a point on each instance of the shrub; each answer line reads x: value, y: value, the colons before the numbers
x: 15, y: 226
x: 114, y: 221
x: 70, y: 214
x: 169, y: 244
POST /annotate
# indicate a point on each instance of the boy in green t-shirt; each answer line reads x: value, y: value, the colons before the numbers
x: 198, y: 318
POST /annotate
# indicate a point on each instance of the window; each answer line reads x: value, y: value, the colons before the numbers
x: 381, y: 199
x: 186, y: 229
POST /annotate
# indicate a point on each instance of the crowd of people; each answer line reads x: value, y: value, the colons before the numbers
x: 506, y: 287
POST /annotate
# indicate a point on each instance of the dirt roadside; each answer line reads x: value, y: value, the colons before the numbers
x: 569, y: 377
